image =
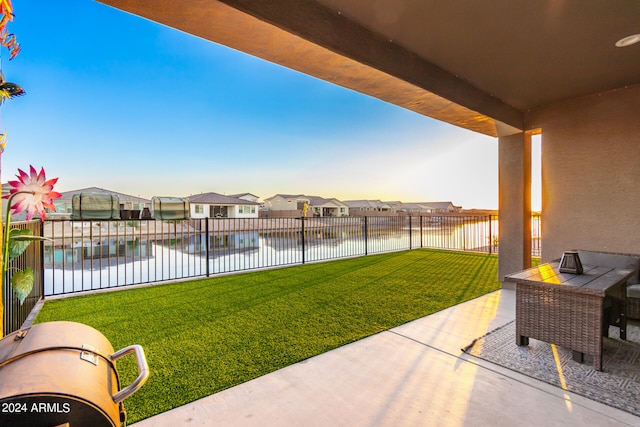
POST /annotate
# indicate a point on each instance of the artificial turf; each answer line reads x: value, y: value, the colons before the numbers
x: 206, y: 335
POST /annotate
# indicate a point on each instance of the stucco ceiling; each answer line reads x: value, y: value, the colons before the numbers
x: 526, y: 53
x: 477, y: 64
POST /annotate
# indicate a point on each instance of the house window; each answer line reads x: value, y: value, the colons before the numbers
x: 199, y: 209
x: 246, y: 209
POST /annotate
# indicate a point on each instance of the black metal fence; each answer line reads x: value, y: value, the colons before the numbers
x: 15, y: 313
x: 92, y: 255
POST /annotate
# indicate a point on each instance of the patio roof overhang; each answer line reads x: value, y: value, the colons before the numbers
x: 480, y: 67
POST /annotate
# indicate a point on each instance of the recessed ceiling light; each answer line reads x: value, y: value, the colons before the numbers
x: 628, y: 41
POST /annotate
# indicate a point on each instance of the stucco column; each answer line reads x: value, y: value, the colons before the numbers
x: 514, y: 186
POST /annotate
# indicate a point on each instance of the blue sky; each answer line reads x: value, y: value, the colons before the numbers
x: 118, y: 102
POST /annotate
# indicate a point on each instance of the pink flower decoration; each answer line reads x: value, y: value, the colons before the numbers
x: 35, y: 193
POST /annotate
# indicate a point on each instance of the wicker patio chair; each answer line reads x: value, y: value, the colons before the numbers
x: 633, y: 301
x: 627, y: 261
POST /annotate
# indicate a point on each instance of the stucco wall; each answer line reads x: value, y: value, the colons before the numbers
x: 281, y: 204
x: 591, y: 173
x: 233, y: 212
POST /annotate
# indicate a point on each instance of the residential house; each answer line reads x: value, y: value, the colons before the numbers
x: 214, y: 205
x: 418, y: 208
x: 286, y: 202
x: 368, y: 207
x: 319, y: 206
x: 443, y: 207
x: 415, y: 208
x: 285, y: 205
x: 297, y: 205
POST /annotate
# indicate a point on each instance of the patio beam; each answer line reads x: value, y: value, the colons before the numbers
x: 335, y: 49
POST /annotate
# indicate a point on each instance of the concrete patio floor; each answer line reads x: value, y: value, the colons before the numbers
x: 412, y: 375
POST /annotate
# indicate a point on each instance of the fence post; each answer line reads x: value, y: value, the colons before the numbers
x: 366, y: 236
x: 421, y: 243
x: 410, y: 233
x: 206, y: 243
x: 302, y: 238
x: 41, y: 266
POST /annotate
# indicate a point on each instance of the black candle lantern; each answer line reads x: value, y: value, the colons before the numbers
x: 570, y: 263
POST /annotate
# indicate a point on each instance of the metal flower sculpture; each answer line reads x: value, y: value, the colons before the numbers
x: 32, y: 193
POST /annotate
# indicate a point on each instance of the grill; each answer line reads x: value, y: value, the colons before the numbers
x: 63, y: 374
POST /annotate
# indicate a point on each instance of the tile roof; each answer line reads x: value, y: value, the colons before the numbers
x: 218, y: 199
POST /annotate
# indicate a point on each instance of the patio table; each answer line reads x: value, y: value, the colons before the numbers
x: 573, y: 311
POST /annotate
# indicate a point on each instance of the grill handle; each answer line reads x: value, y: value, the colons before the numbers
x: 143, y: 371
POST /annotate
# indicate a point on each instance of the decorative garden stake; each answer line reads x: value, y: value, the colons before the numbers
x: 32, y: 193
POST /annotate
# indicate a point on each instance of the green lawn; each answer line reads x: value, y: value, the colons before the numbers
x: 207, y: 335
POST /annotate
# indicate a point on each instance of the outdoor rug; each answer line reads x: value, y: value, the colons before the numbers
x: 617, y: 385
